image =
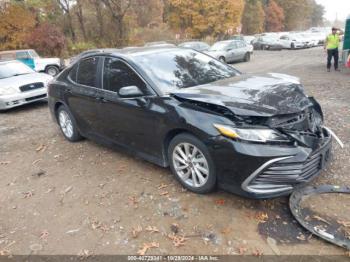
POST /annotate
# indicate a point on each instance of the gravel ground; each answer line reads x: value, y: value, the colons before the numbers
x: 82, y: 198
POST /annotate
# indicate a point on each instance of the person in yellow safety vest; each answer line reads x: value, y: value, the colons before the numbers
x: 332, y: 46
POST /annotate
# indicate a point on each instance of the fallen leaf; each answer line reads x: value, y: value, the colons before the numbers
x: 44, y: 234
x: 96, y: 225
x: 136, y: 231
x: 28, y: 194
x: 68, y: 189
x: 257, y: 253
x: 164, y: 193
x: 177, y: 240
x: 161, y: 186
x: 142, y: 251
x: 36, y: 161
x: 220, y: 202
x: 320, y: 219
x: 84, y: 254
x: 226, y: 230
x: 41, y: 148
x: 262, y: 217
x: 344, y: 223
x: 152, y: 229
x: 242, y: 250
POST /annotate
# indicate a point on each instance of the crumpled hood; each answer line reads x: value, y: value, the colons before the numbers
x: 252, y: 95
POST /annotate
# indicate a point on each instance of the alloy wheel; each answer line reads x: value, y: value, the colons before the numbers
x: 190, y: 165
x: 66, y: 124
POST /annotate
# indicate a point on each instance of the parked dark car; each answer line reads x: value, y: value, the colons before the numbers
x: 254, y: 135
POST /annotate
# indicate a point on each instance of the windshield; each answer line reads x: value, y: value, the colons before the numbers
x: 14, y: 69
x: 33, y: 54
x: 219, y: 46
x: 177, y: 69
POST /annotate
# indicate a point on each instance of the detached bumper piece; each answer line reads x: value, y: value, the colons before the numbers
x: 332, y: 231
x: 283, y: 174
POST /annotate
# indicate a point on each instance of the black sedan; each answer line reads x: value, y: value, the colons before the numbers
x: 255, y: 135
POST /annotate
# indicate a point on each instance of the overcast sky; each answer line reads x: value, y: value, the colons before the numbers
x: 342, y: 7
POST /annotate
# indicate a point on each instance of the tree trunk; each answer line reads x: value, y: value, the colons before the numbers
x: 80, y: 16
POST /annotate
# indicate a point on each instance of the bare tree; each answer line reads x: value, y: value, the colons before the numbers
x: 118, y: 10
x: 99, y: 17
x: 65, y: 5
x: 79, y: 13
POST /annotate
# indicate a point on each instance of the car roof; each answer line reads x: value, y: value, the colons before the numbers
x: 134, y: 50
x: 192, y: 42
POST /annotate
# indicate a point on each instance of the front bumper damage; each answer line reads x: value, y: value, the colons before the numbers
x: 265, y: 170
x: 281, y: 175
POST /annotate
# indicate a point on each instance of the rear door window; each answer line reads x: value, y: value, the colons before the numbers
x: 87, y: 72
x: 22, y: 55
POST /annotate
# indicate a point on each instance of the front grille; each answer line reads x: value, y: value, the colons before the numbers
x: 31, y: 87
x: 290, y: 173
x: 35, y: 98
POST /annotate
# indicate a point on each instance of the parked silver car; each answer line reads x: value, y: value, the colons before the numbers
x: 19, y: 85
x: 230, y: 51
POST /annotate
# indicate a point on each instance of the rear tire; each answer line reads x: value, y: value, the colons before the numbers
x: 52, y: 70
x: 292, y: 46
x: 191, y: 163
x: 68, y: 125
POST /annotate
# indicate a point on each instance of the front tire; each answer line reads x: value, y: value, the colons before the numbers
x: 52, y: 70
x: 67, y: 125
x: 191, y: 163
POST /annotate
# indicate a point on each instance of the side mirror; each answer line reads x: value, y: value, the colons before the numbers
x: 130, y: 91
x: 229, y: 49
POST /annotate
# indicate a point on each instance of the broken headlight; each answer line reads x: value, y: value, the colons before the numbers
x: 252, y: 134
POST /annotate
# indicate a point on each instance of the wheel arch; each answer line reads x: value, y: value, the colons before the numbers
x: 169, y: 136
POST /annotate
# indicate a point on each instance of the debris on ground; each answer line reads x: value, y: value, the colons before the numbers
x: 40, y: 173
x: 174, y: 228
x: 142, y: 251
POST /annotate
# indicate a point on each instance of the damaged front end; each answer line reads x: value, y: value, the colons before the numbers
x: 302, y: 140
x: 306, y: 131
